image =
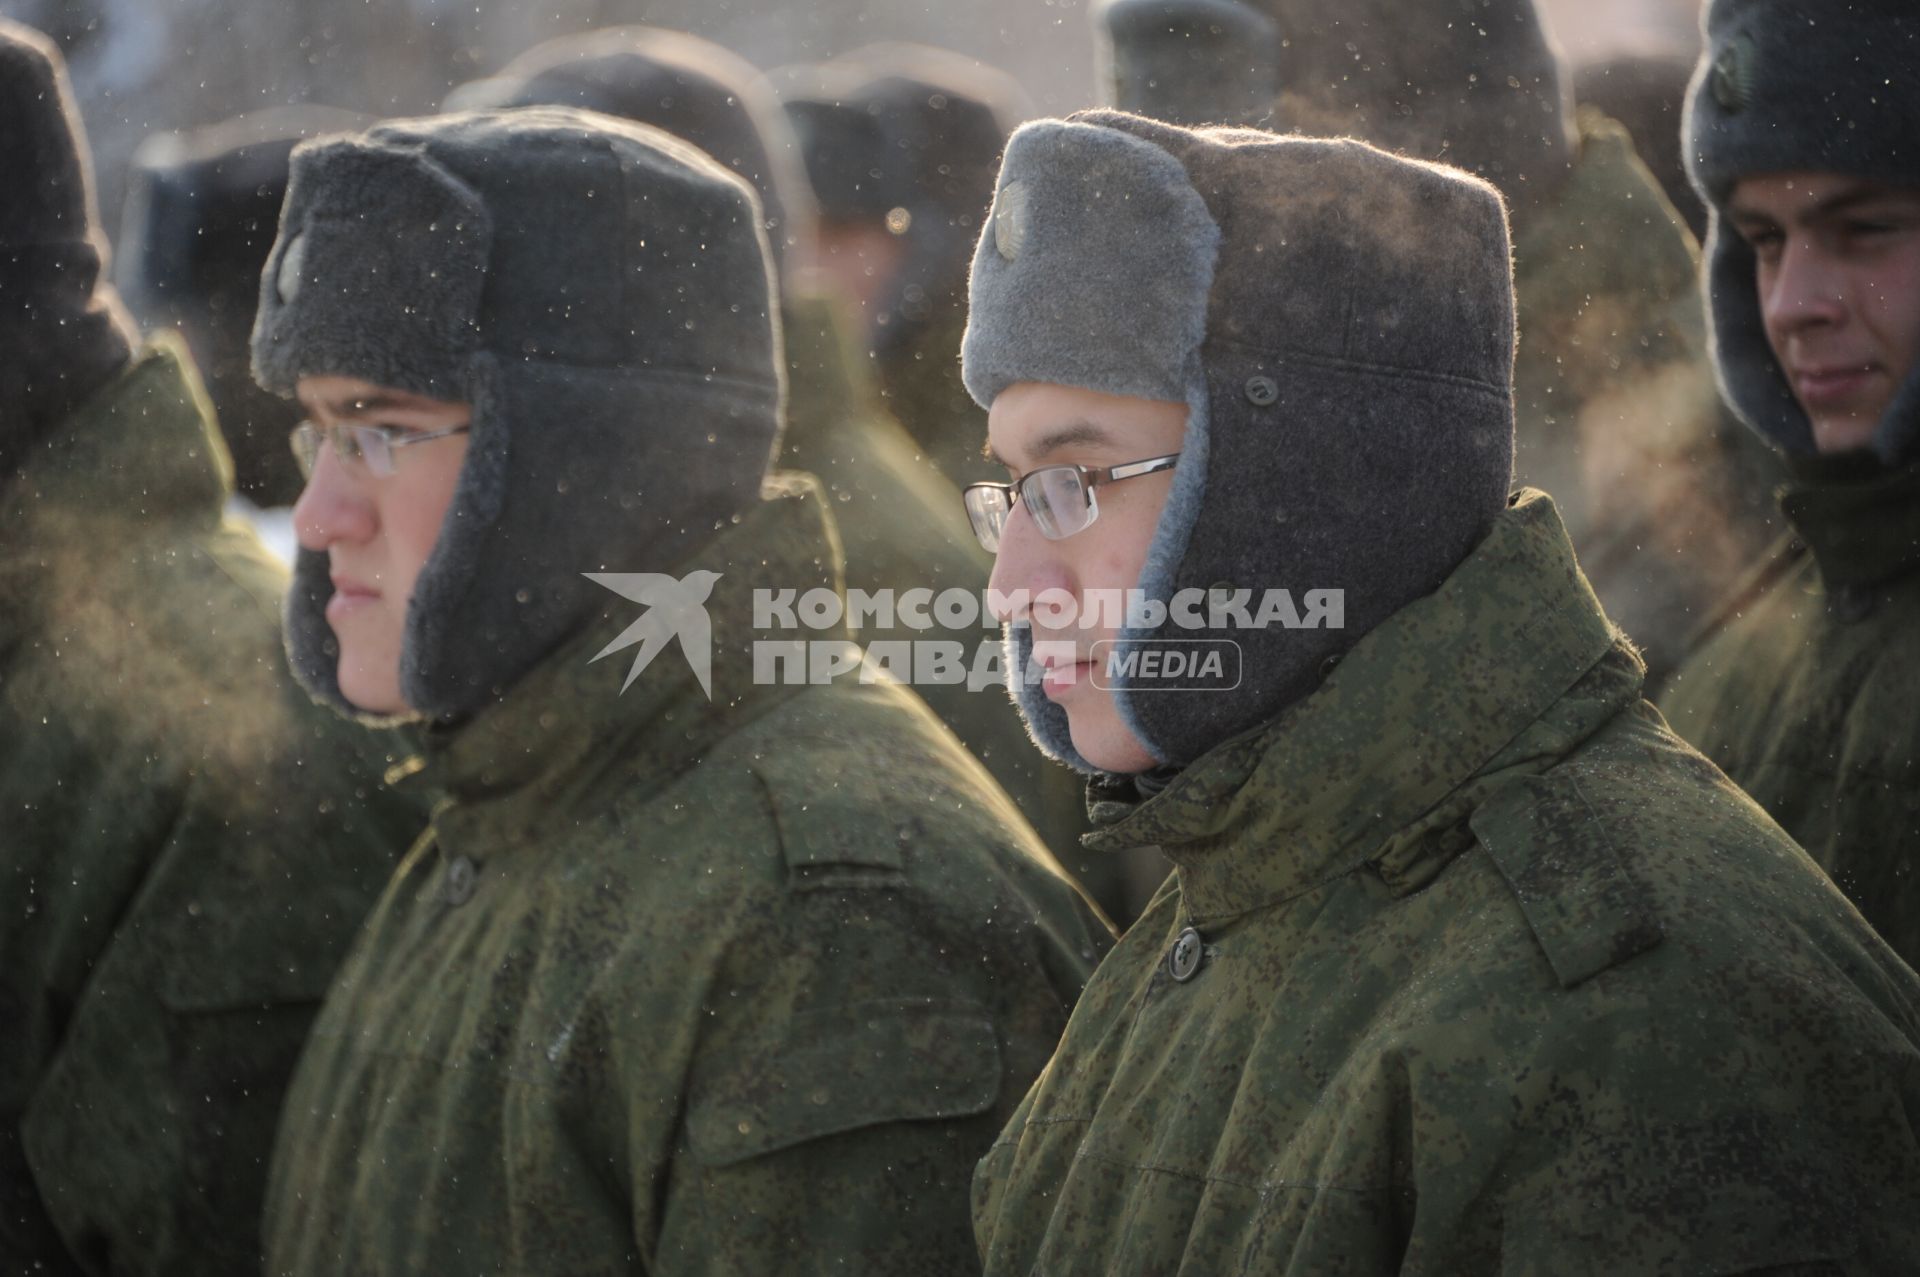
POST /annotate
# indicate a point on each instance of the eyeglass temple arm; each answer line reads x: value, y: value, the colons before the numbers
x: 1134, y: 469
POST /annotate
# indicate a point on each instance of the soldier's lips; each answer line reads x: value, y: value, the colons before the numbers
x: 349, y: 596
x: 1831, y: 387
x: 1058, y: 680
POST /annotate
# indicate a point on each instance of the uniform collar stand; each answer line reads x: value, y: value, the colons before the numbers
x: 567, y: 724
x: 1860, y: 519
x: 1470, y: 681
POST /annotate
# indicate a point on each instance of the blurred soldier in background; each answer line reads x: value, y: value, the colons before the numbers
x: 190, y: 842
x: 1806, y: 690
x: 683, y: 85
x: 202, y: 208
x: 1469, y: 965
x: 696, y: 971
x: 1646, y: 93
x: 1617, y: 412
x: 895, y: 511
x: 901, y: 144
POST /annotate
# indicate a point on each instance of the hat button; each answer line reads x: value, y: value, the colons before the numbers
x: 1262, y: 392
x: 1183, y: 961
x: 1732, y: 76
x: 462, y: 876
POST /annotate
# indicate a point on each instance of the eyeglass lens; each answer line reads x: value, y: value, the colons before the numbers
x: 356, y: 446
x: 987, y: 510
x: 1059, y: 500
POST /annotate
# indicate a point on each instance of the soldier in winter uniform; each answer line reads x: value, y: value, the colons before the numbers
x: 1469, y: 964
x: 1805, y: 688
x: 897, y: 514
x: 697, y: 969
x: 1616, y: 410
x: 190, y: 843
x: 202, y: 208
x: 901, y: 144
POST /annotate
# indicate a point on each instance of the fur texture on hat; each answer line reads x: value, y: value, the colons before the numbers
x: 1339, y: 323
x: 1790, y: 86
x: 624, y: 372
x: 678, y: 83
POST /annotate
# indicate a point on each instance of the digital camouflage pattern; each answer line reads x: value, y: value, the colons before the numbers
x: 1617, y: 415
x: 902, y: 527
x: 1807, y: 693
x: 679, y: 986
x: 190, y: 845
x: 1492, y: 974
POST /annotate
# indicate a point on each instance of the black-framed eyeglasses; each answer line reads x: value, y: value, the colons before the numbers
x: 361, y: 447
x: 1060, y: 498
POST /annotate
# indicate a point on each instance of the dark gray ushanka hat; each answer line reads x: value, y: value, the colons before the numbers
x: 1339, y: 323
x: 1189, y: 62
x: 600, y: 293
x: 1785, y: 86
x: 689, y: 87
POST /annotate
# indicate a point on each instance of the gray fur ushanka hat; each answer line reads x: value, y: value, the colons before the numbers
x: 1797, y: 86
x: 1339, y: 323
x: 600, y: 293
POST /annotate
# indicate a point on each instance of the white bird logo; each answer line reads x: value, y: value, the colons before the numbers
x: 675, y: 609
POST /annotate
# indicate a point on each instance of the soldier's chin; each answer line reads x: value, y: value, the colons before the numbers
x: 1104, y: 740
x: 369, y: 685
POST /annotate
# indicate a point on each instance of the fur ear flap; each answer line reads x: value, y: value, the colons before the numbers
x: 379, y: 269
x: 1751, y: 379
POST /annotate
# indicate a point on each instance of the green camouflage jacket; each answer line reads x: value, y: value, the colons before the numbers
x: 1487, y: 973
x: 1808, y: 694
x: 920, y: 386
x: 1663, y: 492
x: 683, y: 986
x: 902, y: 527
x: 189, y: 846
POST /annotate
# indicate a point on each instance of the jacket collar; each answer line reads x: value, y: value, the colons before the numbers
x: 145, y: 444
x: 1508, y: 665
x: 1860, y: 520
x: 513, y: 771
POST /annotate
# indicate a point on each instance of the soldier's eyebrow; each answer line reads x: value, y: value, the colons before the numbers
x: 1077, y: 433
x: 1838, y: 204
x: 1751, y: 219
x: 351, y: 406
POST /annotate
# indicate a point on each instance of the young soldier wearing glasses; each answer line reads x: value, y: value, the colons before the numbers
x: 1468, y: 964
x: 692, y: 972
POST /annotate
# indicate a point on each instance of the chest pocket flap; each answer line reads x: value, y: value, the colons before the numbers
x: 1573, y: 883
x: 843, y: 1068
x: 837, y: 826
